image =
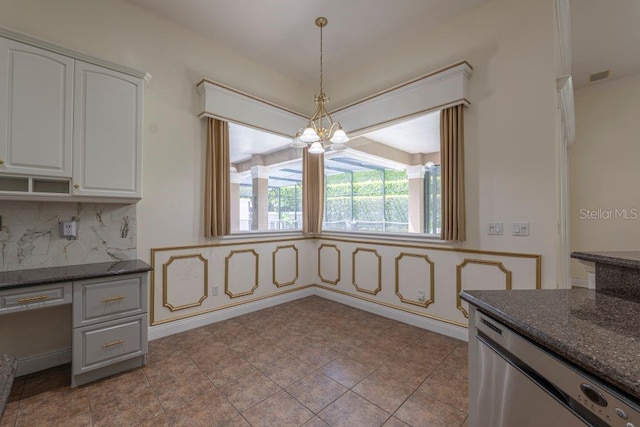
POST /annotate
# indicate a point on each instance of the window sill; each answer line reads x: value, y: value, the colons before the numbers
x: 395, y: 237
x: 258, y: 235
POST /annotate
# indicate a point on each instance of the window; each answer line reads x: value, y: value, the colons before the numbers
x: 266, y: 182
x: 381, y: 183
x: 365, y: 198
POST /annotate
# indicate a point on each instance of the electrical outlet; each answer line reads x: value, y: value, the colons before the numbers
x: 421, y: 295
x: 69, y: 229
x: 215, y: 290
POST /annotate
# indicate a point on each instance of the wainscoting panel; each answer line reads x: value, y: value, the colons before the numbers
x: 366, y: 270
x: 285, y: 265
x: 190, y: 270
x: 329, y: 264
x: 195, y: 280
x: 241, y: 274
x: 407, y: 269
x: 411, y: 270
x: 236, y: 272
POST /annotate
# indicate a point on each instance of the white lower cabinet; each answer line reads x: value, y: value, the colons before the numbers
x: 110, y: 325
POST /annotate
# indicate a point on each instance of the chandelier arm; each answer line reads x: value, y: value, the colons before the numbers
x: 317, y: 114
x: 334, y: 126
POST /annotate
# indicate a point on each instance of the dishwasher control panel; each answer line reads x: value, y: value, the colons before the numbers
x: 598, y: 404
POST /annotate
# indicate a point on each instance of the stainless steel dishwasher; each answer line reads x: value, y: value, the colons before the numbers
x: 515, y: 383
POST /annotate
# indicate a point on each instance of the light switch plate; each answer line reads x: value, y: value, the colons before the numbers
x: 495, y: 228
x: 520, y: 228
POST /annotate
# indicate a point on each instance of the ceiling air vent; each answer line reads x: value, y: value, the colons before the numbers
x: 599, y: 76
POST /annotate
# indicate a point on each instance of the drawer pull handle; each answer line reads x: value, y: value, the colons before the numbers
x: 30, y: 299
x: 118, y: 298
x: 111, y: 344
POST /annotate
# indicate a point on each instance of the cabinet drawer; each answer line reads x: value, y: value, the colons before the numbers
x: 34, y: 297
x: 105, y: 299
x: 99, y: 345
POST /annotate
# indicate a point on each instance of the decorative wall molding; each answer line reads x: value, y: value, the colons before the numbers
x: 432, y: 285
x: 563, y: 37
x: 274, y: 266
x: 227, y: 260
x: 339, y: 266
x: 165, y: 282
x: 566, y: 105
x: 537, y: 259
x: 224, y: 254
x: 224, y: 103
x: 436, y: 90
x: 379, y: 272
x: 468, y: 261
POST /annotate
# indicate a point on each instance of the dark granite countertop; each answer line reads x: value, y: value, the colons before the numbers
x: 8, y: 366
x: 622, y: 259
x: 42, y: 276
x: 597, y: 332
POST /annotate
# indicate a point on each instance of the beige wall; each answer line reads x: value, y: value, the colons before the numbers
x: 510, y: 129
x: 170, y: 212
x: 604, y: 170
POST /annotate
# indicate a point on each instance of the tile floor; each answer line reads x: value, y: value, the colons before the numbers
x: 310, y: 362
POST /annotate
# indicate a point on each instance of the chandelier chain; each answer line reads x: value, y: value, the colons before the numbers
x: 321, y: 65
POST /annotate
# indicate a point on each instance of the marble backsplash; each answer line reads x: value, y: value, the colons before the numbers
x: 30, y: 236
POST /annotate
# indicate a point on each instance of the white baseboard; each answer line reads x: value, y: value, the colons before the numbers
x: 27, y: 365
x: 413, y: 319
x: 160, y: 331
x: 178, y: 326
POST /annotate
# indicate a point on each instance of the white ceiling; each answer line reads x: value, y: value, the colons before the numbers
x: 281, y: 34
x: 605, y: 36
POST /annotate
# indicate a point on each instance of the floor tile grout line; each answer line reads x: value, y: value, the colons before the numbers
x: 324, y: 340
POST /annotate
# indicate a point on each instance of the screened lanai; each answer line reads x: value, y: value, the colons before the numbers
x: 371, y: 186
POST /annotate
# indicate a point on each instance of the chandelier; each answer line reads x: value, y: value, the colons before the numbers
x: 321, y: 127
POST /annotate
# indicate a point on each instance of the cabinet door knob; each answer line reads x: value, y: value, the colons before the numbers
x: 1, y: 162
x: 77, y: 187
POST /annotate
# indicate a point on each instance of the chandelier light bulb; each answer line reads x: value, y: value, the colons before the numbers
x: 316, y: 148
x: 339, y: 136
x: 309, y: 135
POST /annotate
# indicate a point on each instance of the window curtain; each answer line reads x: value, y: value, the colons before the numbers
x: 312, y: 191
x: 217, y: 198
x: 452, y: 173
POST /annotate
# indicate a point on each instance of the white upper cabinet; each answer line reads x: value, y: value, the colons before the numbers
x: 107, y: 142
x: 36, y: 111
